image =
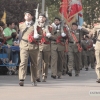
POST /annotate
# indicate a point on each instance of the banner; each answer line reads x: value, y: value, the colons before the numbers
x: 70, y: 8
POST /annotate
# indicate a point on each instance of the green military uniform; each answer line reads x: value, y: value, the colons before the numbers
x: 27, y: 50
x: 74, y: 54
x: 90, y: 53
x: 57, y: 52
x: 84, y: 53
x: 44, y: 53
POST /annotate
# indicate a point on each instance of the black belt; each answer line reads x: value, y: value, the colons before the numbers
x: 73, y: 42
x: 25, y: 40
x: 55, y: 40
x: 28, y: 41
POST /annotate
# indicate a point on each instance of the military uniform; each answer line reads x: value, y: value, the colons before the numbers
x: 90, y: 52
x: 97, y: 51
x: 27, y: 50
x: 44, y: 53
x: 57, y: 52
x: 74, y: 54
x: 84, y: 53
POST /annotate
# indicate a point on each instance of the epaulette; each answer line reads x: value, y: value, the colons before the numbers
x: 21, y: 22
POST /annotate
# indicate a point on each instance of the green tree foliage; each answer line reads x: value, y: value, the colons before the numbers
x: 91, y: 10
x: 16, y: 8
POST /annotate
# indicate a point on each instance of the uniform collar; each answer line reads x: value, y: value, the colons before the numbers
x: 56, y: 26
x: 28, y: 23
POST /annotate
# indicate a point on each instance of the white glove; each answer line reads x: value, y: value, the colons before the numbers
x: 93, y: 45
x: 63, y: 34
x: 79, y: 27
x: 48, y: 35
x: 36, y: 36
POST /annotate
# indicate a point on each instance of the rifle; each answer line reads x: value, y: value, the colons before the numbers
x: 62, y: 23
x: 36, y: 20
x: 47, y: 21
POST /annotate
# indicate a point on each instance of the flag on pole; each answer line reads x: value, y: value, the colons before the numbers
x: 3, y: 19
x: 70, y: 8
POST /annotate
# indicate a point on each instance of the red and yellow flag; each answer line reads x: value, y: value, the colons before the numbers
x: 69, y: 8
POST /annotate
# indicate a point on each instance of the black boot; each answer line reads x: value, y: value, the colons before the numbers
x: 69, y: 73
x: 86, y: 69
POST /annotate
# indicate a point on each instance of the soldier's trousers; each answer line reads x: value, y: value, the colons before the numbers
x: 80, y: 60
x: 57, y: 62
x: 97, y: 69
x: 43, y: 62
x: 84, y: 59
x: 24, y: 56
x: 73, y: 61
x: 65, y: 64
x: 91, y: 58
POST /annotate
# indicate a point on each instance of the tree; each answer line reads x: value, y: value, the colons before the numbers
x: 15, y: 8
x: 91, y: 10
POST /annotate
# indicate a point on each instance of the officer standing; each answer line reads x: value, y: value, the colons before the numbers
x: 28, y: 49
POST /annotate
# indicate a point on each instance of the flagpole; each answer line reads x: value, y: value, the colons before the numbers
x: 43, y: 6
x: 78, y: 20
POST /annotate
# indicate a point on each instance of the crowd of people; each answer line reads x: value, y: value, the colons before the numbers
x: 56, y: 45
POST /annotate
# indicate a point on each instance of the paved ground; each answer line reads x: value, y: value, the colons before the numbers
x: 67, y: 88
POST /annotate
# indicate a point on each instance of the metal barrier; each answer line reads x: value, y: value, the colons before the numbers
x: 5, y: 60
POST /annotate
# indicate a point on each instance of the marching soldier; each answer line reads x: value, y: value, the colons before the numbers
x: 75, y: 48
x: 44, y: 48
x: 90, y: 51
x: 97, y: 50
x: 28, y: 48
x: 84, y: 44
x: 57, y: 48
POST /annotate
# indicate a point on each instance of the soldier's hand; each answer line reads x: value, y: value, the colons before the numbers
x: 48, y: 35
x: 63, y: 34
x: 36, y: 36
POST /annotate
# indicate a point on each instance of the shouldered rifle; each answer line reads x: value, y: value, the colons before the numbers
x: 36, y: 20
x: 62, y: 23
x: 47, y: 21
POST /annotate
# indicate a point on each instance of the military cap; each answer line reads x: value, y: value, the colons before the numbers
x: 57, y: 18
x: 28, y: 12
x: 75, y: 24
x: 42, y: 15
x: 87, y: 36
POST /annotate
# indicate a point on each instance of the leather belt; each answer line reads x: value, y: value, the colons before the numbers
x: 28, y: 41
x: 73, y: 42
x: 55, y: 40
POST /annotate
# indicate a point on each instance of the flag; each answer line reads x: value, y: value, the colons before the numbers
x: 3, y: 19
x: 70, y: 8
x: 79, y: 18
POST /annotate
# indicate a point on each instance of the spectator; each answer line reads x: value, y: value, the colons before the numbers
x: 9, y: 34
x: 15, y: 54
